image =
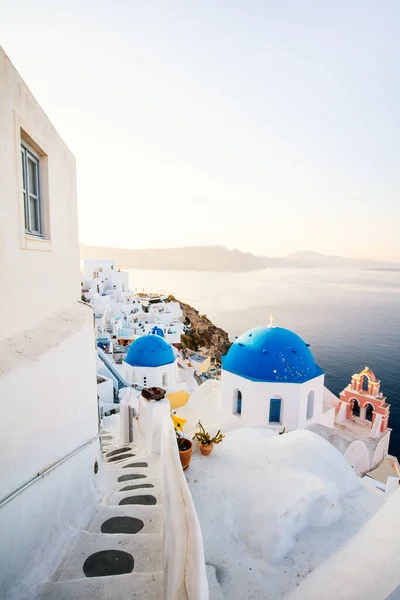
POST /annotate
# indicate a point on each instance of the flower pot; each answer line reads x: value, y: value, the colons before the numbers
x: 206, y: 449
x: 153, y: 393
x: 186, y: 454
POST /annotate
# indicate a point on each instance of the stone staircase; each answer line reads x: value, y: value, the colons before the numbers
x: 119, y: 556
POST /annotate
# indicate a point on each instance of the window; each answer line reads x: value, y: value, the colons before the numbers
x: 164, y: 379
x: 275, y: 410
x: 237, y: 402
x: 32, y: 192
x: 310, y: 405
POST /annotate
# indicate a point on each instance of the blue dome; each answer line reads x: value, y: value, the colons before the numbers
x: 150, y: 351
x: 271, y: 354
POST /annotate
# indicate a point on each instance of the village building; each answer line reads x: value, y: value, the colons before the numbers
x: 94, y: 502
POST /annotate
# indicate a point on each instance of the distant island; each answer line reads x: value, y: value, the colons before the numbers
x: 218, y: 258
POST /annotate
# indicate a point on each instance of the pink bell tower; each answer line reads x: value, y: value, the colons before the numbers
x: 365, y: 403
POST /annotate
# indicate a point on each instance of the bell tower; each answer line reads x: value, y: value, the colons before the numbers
x: 363, y: 402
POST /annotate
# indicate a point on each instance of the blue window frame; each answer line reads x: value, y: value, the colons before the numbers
x: 275, y: 410
x: 239, y: 403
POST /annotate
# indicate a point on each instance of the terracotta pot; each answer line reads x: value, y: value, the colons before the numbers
x: 206, y: 449
x: 186, y: 455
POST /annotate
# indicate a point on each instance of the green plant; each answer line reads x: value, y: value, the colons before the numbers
x: 283, y: 431
x: 203, y: 437
x: 183, y: 443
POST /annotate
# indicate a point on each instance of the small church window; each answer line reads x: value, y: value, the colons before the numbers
x: 310, y: 405
x: 275, y: 410
x: 369, y: 412
x: 237, y: 402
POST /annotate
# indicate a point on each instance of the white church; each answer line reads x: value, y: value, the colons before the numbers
x: 153, y: 362
x: 270, y: 379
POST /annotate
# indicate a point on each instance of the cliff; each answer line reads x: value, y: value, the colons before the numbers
x: 203, y: 336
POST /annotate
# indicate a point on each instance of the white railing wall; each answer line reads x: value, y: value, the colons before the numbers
x: 185, y: 574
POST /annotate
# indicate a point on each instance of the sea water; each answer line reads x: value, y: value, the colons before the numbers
x: 350, y: 318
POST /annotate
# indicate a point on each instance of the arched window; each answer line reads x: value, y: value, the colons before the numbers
x: 356, y: 408
x: 275, y: 410
x: 365, y: 382
x: 310, y: 405
x: 237, y: 402
x: 369, y: 412
x: 164, y: 379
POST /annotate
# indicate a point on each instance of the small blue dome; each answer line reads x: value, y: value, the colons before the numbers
x: 150, y: 351
x: 157, y: 331
x: 271, y: 354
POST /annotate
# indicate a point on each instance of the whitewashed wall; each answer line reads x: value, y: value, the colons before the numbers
x: 48, y: 404
x: 49, y: 268
x: 185, y: 574
x: 105, y: 390
x: 153, y: 375
x: 90, y: 266
x: 357, y: 455
x: 256, y: 401
x: 48, y: 399
x: 381, y: 450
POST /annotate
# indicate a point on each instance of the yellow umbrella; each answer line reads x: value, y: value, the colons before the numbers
x: 178, y: 422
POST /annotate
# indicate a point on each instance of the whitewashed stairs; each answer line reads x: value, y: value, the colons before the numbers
x: 143, y: 548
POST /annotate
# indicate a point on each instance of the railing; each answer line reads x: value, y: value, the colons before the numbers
x: 45, y: 472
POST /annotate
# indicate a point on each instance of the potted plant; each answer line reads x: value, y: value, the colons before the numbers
x: 153, y: 393
x: 206, y: 442
x: 185, y: 446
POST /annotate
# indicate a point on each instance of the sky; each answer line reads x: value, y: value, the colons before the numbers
x: 270, y: 126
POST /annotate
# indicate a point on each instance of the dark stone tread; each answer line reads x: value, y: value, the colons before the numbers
x: 108, y: 562
x: 145, y: 500
x: 118, y: 451
x: 122, y: 525
x: 139, y: 464
x: 130, y: 477
x: 120, y: 457
x: 139, y: 486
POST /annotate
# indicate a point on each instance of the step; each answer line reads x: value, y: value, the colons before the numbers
x: 114, y: 498
x: 133, y: 586
x: 150, y: 460
x: 115, y: 472
x: 146, y: 550
x: 136, y: 480
x: 121, y: 458
x: 151, y: 517
x: 119, y: 450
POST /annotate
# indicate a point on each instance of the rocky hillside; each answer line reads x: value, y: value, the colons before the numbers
x: 203, y: 336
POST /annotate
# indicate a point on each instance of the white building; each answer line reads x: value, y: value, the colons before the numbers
x: 103, y: 282
x: 119, y: 311
x: 151, y: 362
x: 50, y: 451
x: 270, y: 379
